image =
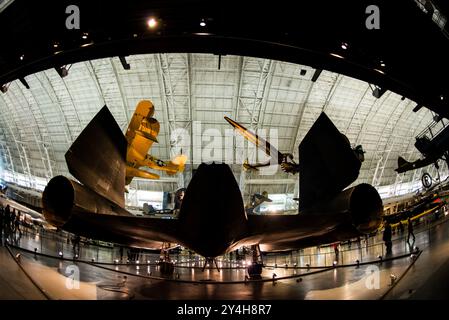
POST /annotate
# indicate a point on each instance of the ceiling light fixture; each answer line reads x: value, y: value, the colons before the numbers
x: 4, y: 88
x: 378, y: 91
x: 315, y: 76
x: 25, y: 83
x: 380, y: 71
x: 336, y: 55
x: 63, y: 71
x: 124, y: 63
x: 152, y: 23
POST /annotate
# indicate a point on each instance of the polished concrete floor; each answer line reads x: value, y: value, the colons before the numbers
x: 306, y: 274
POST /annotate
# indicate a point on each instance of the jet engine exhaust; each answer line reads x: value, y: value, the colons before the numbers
x: 366, y: 207
x: 63, y: 197
x: 361, y: 204
x: 57, y: 200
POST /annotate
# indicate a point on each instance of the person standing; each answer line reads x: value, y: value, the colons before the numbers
x: 401, y: 227
x: 387, y: 237
x: 7, y: 222
x: 410, y: 230
x: 17, y: 223
x: 1, y: 225
x: 336, y: 250
x: 121, y: 253
x: 76, y: 245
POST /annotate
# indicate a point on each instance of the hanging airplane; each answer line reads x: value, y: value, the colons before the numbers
x: 141, y: 134
x: 432, y: 146
x: 212, y: 219
x: 282, y: 158
x: 404, y: 165
x: 285, y: 160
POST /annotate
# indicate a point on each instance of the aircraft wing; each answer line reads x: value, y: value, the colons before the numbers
x: 404, y: 165
x: 354, y: 212
x: 290, y: 232
x: 141, y: 133
x: 327, y: 214
x: 144, y: 232
x: 95, y: 208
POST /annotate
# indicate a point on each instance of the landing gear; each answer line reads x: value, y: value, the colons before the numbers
x: 165, y: 265
x: 210, y: 261
x: 255, y: 269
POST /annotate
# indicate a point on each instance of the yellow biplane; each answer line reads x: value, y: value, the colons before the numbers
x: 141, y: 134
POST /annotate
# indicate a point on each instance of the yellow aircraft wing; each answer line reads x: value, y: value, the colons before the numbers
x: 141, y: 134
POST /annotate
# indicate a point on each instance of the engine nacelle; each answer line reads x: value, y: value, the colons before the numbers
x: 365, y: 206
x: 355, y: 210
x: 63, y: 197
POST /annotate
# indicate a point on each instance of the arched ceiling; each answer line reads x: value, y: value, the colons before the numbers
x: 37, y: 125
x: 408, y: 48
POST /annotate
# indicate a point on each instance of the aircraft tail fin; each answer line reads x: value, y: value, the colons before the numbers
x: 97, y: 158
x: 327, y: 163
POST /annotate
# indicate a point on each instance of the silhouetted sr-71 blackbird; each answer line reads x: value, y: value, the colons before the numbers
x: 212, y: 218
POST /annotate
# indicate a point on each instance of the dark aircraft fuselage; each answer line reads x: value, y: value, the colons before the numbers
x: 212, y: 220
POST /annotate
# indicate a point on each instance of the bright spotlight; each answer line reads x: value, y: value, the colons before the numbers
x: 344, y: 45
x: 202, y: 23
x: 152, y: 23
